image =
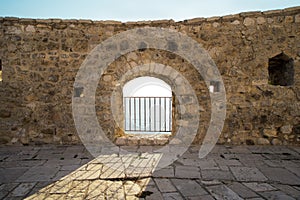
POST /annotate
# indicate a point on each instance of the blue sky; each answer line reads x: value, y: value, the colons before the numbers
x: 134, y: 10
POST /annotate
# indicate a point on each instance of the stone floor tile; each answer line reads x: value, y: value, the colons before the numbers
x: 216, y: 175
x: 167, y: 172
x: 260, y: 187
x: 289, y: 190
x: 188, y: 188
x: 221, y: 192
x: 22, y: 164
x: 131, y: 188
x: 207, y: 164
x: 164, y: 185
x: 241, y: 190
x: 39, y: 186
x: 172, y: 196
x: 6, y: 188
x: 281, y: 175
x: 231, y: 162
x: 22, y: 189
x: 151, y: 193
x: 295, y: 170
x: 247, y: 174
x: 9, y: 175
x: 276, y: 195
x: 39, y: 173
x: 69, y: 167
x: 187, y: 172
x: 206, y: 197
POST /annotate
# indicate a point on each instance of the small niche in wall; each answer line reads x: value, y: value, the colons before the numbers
x: 0, y: 70
x: 281, y: 70
x: 214, y: 86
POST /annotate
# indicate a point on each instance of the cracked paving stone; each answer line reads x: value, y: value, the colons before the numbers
x: 247, y: 174
x: 6, y: 188
x: 221, y: 192
x: 187, y: 172
x: 216, y: 175
x: 165, y: 185
x: 289, y: 190
x: 188, y: 188
x: 172, y: 196
x: 167, y: 172
x: 22, y: 189
x: 241, y: 190
x: 39, y: 173
x: 281, y: 175
x: 276, y: 195
x: 260, y: 187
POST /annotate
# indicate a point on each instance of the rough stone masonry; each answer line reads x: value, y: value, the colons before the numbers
x: 257, y: 54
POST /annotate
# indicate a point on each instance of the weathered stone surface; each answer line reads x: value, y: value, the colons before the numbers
x: 263, y: 141
x: 281, y: 175
x: 286, y: 129
x: 270, y: 133
x: 247, y: 174
x: 44, y: 55
x: 249, y: 21
x: 259, y: 187
x: 276, y: 141
x: 220, y: 192
x: 189, y: 188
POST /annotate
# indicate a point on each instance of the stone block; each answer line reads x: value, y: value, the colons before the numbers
x: 249, y: 21
x: 276, y: 141
x: 260, y: 20
x: 297, y: 18
x: 270, y: 133
x: 287, y: 129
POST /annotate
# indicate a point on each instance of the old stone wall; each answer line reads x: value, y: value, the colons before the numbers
x: 40, y: 59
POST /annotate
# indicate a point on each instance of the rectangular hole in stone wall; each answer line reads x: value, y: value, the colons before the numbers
x: 214, y: 86
x: 78, y: 92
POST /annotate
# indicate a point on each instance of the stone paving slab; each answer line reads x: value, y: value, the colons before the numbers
x: 70, y: 172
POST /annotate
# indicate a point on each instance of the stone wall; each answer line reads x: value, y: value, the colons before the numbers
x: 40, y: 59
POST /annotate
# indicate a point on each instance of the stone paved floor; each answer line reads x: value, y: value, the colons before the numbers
x: 70, y: 172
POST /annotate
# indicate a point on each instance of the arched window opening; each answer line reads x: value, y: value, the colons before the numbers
x: 147, y: 106
x: 281, y: 70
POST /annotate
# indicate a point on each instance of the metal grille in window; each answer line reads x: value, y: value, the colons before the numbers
x: 148, y: 114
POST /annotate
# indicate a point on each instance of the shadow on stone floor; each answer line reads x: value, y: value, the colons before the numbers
x: 65, y: 172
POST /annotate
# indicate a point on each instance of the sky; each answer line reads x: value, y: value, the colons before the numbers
x: 135, y: 10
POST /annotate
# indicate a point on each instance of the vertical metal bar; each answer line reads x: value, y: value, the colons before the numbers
x: 165, y: 113
x: 140, y: 119
x: 150, y: 123
x: 144, y: 113
x: 134, y: 104
x: 154, y: 114
x: 159, y: 114
x: 129, y: 114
